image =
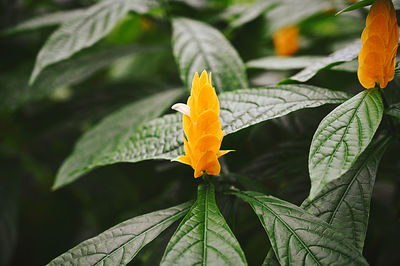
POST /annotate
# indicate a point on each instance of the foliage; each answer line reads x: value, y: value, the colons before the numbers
x: 87, y: 136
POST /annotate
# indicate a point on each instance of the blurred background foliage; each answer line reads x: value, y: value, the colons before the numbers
x: 39, y: 127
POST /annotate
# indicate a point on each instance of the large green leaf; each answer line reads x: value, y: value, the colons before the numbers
x: 345, y: 54
x: 79, y: 67
x: 283, y: 63
x: 120, y: 244
x: 299, y: 238
x: 203, y: 237
x: 79, y: 33
x: 342, y: 136
x: 162, y: 138
x: 102, y: 145
x: 198, y: 46
x: 344, y: 202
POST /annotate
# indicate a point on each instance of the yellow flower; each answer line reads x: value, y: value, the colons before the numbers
x: 286, y: 41
x: 377, y: 56
x: 202, y: 127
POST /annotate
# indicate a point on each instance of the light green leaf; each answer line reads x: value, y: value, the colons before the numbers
x: 77, y: 34
x: 345, y: 54
x: 299, y: 238
x: 79, y: 67
x: 102, y: 145
x: 203, y: 237
x: 120, y: 244
x: 356, y: 5
x: 251, y: 12
x: 342, y: 136
x: 198, y: 46
x: 162, y: 137
x: 283, y: 63
x: 344, y: 202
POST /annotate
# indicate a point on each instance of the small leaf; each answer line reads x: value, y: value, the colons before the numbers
x: 344, y: 202
x: 203, y: 237
x: 356, y: 5
x: 342, y: 136
x: 100, y: 145
x: 345, y: 54
x: 198, y: 46
x: 251, y: 12
x: 77, y: 34
x: 393, y: 110
x: 120, y: 244
x: 283, y: 63
x: 162, y: 138
x: 299, y: 238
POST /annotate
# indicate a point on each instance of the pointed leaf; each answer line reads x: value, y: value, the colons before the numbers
x: 198, y: 46
x: 77, y: 34
x: 299, y: 238
x: 162, y: 138
x: 203, y: 237
x: 283, y: 63
x: 345, y: 54
x: 344, y: 202
x: 120, y: 244
x: 252, y: 12
x: 356, y: 5
x: 342, y: 136
x: 100, y: 145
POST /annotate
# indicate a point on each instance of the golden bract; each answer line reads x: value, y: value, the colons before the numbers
x: 202, y: 127
x: 377, y: 56
x: 286, y: 41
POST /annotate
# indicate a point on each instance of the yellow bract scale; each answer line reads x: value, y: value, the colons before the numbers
x: 202, y: 127
x: 377, y: 57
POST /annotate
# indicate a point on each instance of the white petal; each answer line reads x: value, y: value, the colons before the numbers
x: 182, y: 108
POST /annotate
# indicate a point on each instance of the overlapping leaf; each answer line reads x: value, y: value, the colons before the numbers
x: 79, y: 33
x: 162, y: 137
x: 342, y: 136
x: 251, y: 12
x: 120, y: 244
x: 198, y: 46
x: 299, y: 238
x: 356, y: 5
x: 283, y: 63
x: 203, y: 237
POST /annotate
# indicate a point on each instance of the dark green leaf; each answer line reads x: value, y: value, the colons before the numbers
x: 198, y: 46
x: 77, y: 34
x: 203, y: 237
x: 342, y: 136
x: 356, y: 5
x: 162, y: 137
x: 299, y: 238
x: 393, y: 110
x: 344, y: 202
x: 120, y: 244
x: 283, y: 63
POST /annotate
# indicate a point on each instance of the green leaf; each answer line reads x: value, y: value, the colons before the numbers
x: 393, y: 110
x: 345, y: 54
x: 162, y: 138
x: 120, y: 244
x: 251, y: 12
x: 342, y: 136
x: 203, y: 237
x: 344, y: 202
x: 102, y: 145
x: 198, y: 46
x: 77, y: 34
x: 283, y: 63
x: 356, y: 5
x: 79, y: 67
x: 299, y: 238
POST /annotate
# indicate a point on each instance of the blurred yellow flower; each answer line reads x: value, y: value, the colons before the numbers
x: 286, y: 41
x: 202, y: 127
x: 377, y: 56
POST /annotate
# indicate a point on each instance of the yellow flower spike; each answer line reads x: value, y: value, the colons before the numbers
x: 202, y: 127
x: 377, y: 57
x: 286, y: 41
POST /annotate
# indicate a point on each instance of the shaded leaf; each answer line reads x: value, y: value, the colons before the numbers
x: 162, y: 138
x: 251, y: 12
x: 120, y: 244
x: 342, y: 136
x: 356, y: 5
x: 283, y: 63
x: 299, y: 238
x: 393, y: 110
x: 203, y: 237
x: 345, y: 54
x: 198, y: 46
x: 75, y: 35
